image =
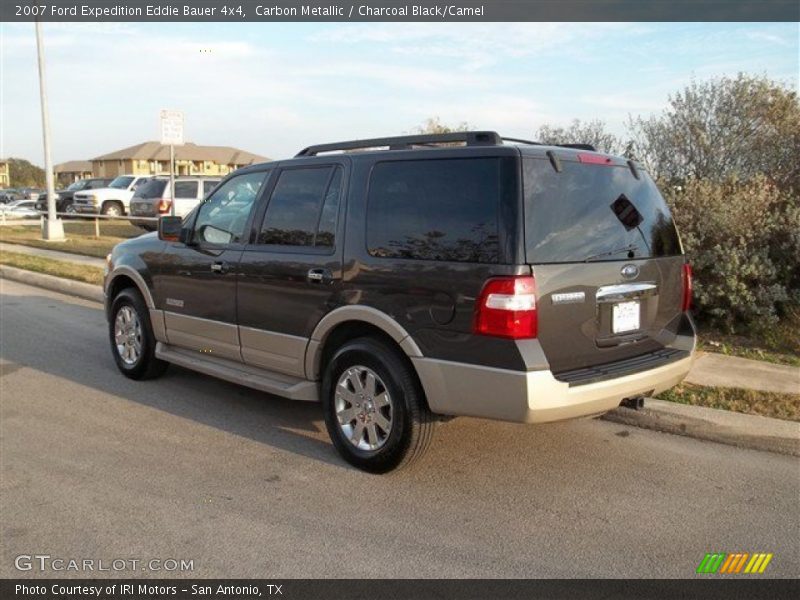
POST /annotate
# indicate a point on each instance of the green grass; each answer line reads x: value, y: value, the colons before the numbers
x: 752, y: 402
x: 79, y: 234
x: 779, y: 344
x: 84, y: 273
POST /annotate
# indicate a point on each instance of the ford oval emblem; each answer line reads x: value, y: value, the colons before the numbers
x: 629, y: 272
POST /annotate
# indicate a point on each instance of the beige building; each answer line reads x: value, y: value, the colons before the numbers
x: 5, y: 174
x: 152, y: 158
x: 71, y: 171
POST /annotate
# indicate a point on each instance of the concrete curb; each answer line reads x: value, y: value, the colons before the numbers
x: 722, y: 426
x: 725, y: 427
x: 86, y: 291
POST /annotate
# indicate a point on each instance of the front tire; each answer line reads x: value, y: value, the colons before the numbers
x: 375, y: 410
x: 112, y: 209
x: 133, y: 344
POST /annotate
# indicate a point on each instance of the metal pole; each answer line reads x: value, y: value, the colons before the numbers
x: 172, y: 179
x: 52, y: 228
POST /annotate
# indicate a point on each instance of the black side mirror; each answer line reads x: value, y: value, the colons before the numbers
x: 169, y: 228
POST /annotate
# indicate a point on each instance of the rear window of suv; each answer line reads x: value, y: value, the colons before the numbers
x: 593, y: 212
x: 444, y: 209
x: 151, y: 189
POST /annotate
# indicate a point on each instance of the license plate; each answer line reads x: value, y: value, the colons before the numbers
x: 625, y: 317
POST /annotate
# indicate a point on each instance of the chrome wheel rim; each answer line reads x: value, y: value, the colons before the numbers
x: 363, y: 408
x: 128, y: 335
x: 70, y: 209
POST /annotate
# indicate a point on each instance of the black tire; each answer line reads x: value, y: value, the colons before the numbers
x: 112, y: 207
x: 412, y: 423
x: 146, y: 366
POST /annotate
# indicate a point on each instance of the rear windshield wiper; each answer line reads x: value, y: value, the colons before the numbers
x: 628, y: 248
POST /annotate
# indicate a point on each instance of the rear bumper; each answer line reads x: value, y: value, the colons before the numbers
x: 535, y: 396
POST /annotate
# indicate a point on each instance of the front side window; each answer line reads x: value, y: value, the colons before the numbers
x: 222, y: 217
x: 303, y: 208
x: 445, y: 210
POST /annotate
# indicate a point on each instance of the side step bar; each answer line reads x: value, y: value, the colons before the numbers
x: 279, y: 384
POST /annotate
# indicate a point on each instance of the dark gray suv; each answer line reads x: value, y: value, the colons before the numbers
x: 402, y: 280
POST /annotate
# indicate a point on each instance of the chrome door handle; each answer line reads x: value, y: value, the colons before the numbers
x: 319, y: 276
x: 219, y: 267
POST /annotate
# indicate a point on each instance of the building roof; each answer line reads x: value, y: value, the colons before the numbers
x: 224, y: 155
x: 74, y: 166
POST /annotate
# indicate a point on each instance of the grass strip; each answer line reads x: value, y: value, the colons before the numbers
x: 58, y: 268
x: 80, y: 237
x: 751, y: 402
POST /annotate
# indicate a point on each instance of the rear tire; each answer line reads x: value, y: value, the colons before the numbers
x: 375, y: 410
x: 130, y: 332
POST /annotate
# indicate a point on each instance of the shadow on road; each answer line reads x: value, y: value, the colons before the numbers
x: 289, y: 425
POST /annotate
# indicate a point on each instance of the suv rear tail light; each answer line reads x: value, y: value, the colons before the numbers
x: 686, y: 303
x: 164, y: 205
x: 507, y: 308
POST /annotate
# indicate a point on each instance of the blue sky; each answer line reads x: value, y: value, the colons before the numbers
x: 274, y: 88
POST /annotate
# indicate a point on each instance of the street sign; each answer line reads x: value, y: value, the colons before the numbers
x: 172, y: 127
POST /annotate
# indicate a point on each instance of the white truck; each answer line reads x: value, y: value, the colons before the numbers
x: 113, y: 200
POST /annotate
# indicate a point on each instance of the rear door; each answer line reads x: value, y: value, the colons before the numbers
x: 607, y: 260
x: 291, y: 271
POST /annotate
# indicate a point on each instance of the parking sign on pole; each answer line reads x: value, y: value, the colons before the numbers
x: 172, y: 135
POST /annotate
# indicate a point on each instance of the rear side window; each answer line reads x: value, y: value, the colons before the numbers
x: 186, y: 189
x: 444, y: 209
x: 303, y: 208
x: 152, y: 189
x: 208, y: 186
x: 594, y: 212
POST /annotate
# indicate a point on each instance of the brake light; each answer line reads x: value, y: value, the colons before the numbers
x: 506, y: 308
x: 594, y: 159
x: 164, y: 205
x: 686, y: 303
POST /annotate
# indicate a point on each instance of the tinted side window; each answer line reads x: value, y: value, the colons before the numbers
x: 222, y: 217
x: 186, y: 189
x: 293, y: 212
x: 326, y: 231
x: 435, y: 209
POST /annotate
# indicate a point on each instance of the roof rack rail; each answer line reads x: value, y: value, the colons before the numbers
x: 405, y: 142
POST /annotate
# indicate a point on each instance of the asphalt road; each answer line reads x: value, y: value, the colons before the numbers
x: 95, y: 466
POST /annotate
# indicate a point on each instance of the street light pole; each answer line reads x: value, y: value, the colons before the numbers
x: 52, y: 227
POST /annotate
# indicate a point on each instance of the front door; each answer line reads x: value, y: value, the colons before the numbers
x: 195, y: 283
x: 290, y: 273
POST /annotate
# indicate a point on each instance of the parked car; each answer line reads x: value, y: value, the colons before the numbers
x: 9, y: 195
x: 64, y: 197
x: 19, y: 209
x: 29, y: 193
x: 154, y: 198
x: 112, y: 200
x: 397, y: 286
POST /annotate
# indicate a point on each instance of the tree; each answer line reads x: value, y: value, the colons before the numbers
x: 723, y: 128
x: 578, y: 132
x: 23, y: 174
x: 435, y: 125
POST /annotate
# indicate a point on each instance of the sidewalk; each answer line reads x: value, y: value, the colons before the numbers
x: 716, y: 370
x: 78, y: 259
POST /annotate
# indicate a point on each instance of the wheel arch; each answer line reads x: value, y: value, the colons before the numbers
x: 348, y: 322
x: 124, y: 276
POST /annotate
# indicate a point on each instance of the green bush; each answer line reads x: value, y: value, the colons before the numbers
x: 743, y: 239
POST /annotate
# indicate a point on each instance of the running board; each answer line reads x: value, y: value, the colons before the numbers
x: 279, y: 384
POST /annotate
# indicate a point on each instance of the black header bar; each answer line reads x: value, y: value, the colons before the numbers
x: 412, y: 11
